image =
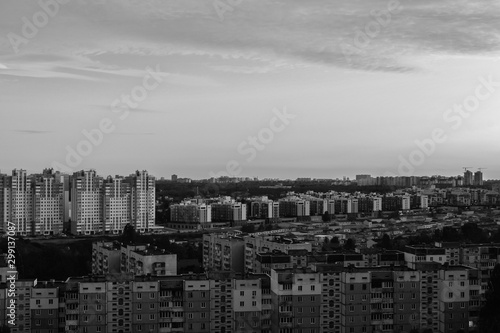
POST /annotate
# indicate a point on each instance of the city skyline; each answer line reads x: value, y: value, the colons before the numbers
x: 199, y: 88
x: 168, y: 177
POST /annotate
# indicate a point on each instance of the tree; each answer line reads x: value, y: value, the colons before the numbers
x: 326, y: 217
x: 386, y: 242
x: 473, y: 233
x: 248, y: 228
x: 450, y: 234
x: 129, y: 235
x: 489, y: 320
x: 335, y: 240
x: 350, y: 244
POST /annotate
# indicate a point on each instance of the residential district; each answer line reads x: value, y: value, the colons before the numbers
x: 306, y: 262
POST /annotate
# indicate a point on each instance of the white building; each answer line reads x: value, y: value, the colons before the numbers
x: 143, y: 200
x: 21, y: 202
x: 86, y: 203
x: 48, y: 204
x: 117, y: 203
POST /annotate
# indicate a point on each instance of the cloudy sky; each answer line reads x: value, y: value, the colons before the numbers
x: 363, y: 80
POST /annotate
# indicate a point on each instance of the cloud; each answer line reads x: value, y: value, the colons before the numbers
x: 133, y: 133
x: 296, y: 31
x: 31, y: 131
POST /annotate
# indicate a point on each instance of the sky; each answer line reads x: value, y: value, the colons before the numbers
x: 257, y: 88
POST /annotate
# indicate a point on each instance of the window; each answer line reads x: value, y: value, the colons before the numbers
x: 351, y: 308
x: 351, y: 287
x: 313, y: 288
x: 139, y: 317
x: 300, y: 288
x: 242, y: 293
x: 242, y: 303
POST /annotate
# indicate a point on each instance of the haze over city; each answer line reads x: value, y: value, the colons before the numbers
x: 218, y: 76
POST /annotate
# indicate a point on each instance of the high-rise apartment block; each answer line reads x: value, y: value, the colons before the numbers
x: 143, y: 207
x: 86, y: 203
x: 83, y: 203
x: 117, y: 201
x: 48, y: 203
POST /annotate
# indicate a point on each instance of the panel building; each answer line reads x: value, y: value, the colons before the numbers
x: 86, y: 203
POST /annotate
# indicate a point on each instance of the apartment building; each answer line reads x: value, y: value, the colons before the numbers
x: 264, y: 209
x: 143, y: 259
x: 187, y: 215
x: 20, y: 206
x: 143, y: 207
x: 322, y: 298
x: 113, y: 257
x: 197, y: 312
x: 293, y: 207
x: 296, y: 300
x: 106, y: 257
x: 116, y: 207
x: 48, y: 203
x: 23, y: 305
x: 254, y: 245
x: 229, y: 212
x: 44, y: 306
x: 86, y: 203
x: 223, y: 253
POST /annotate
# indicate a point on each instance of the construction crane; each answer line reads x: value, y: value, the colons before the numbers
x: 465, y: 168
